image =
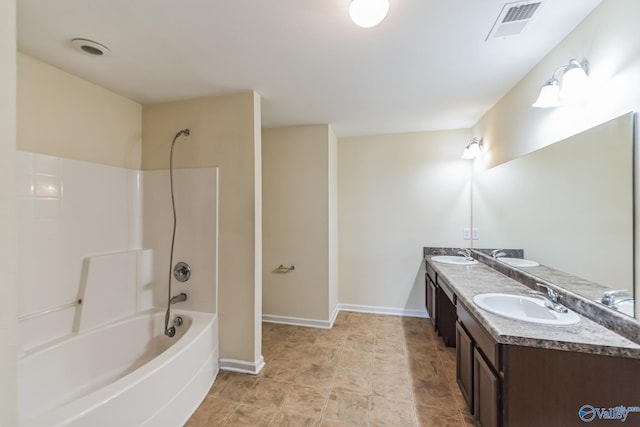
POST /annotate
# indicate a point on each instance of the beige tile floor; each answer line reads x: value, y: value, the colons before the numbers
x: 368, y: 370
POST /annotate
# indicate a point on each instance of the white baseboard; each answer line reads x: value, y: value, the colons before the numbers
x: 383, y: 310
x: 242, y: 366
x: 328, y: 324
x: 335, y: 313
x: 299, y: 321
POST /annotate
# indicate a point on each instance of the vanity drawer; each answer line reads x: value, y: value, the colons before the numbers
x: 482, y: 339
x: 447, y: 290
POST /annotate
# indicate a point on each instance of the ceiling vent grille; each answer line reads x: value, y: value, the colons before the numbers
x: 513, y: 18
x: 519, y: 13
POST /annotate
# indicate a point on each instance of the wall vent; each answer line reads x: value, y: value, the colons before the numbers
x: 513, y: 18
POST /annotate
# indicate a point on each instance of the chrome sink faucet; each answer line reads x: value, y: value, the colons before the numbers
x: 466, y: 253
x: 497, y: 253
x: 551, y: 298
x: 615, y: 297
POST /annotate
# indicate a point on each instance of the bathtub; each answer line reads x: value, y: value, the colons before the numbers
x: 127, y: 373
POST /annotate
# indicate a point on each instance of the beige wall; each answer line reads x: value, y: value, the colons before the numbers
x: 334, y: 273
x: 299, y: 221
x: 223, y: 134
x: 397, y: 194
x: 257, y: 232
x: 609, y: 38
x: 62, y: 115
x: 8, y: 218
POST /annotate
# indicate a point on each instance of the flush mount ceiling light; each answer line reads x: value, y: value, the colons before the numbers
x: 91, y: 48
x: 368, y: 13
x: 473, y: 149
x: 570, y: 89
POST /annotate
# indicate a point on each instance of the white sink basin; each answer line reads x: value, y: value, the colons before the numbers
x: 518, y: 262
x: 452, y: 259
x: 527, y: 309
x: 626, y: 307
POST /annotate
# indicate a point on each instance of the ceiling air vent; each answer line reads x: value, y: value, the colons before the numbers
x: 513, y: 18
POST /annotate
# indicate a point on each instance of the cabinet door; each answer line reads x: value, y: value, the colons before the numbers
x: 464, y: 364
x: 445, y: 318
x: 431, y: 302
x: 486, y: 388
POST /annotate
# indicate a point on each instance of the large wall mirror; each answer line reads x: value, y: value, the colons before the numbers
x: 570, y: 206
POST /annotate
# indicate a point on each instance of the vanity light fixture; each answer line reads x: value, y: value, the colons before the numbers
x: 473, y: 149
x: 368, y: 13
x: 567, y: 85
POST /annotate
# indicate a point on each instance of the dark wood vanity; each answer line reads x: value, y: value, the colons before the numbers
x: 515, y: 385
x: 441, y: 307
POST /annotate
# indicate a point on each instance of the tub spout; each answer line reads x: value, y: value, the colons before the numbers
x: 179, y: 298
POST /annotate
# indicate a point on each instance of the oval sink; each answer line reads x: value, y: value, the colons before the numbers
x: 527, y: 309
x: 626, y: 307
x: 452, y: 259
x: 518, y: 262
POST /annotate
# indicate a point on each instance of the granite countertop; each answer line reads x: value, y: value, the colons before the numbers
x: 586, y: 336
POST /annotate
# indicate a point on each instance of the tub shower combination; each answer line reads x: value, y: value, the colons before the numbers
x: 121, y: 366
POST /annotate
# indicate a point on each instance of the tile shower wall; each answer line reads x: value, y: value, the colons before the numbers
x: 69, y: 210
x: 196, y: 195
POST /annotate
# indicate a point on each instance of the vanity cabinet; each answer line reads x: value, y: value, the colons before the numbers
x: 521, y: 382
x: 519, y: 386
x: 446, y: 313
x: 440, y: 304
x: 486, y: 392
x: 464, y: 364
x: 430, y: 293
x: 477, y: 369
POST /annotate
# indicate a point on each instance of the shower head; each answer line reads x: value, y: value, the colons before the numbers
x: 182, y: 132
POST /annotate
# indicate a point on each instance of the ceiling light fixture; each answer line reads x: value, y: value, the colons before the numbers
x: 368, y: 13
x: 91, y: 48
x: 473, y: 149
x: 570, y: 89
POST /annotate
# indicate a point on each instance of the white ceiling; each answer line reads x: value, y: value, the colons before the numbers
x: 425, y: 67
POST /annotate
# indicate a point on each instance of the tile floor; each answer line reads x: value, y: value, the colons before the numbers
x: 368, y: 370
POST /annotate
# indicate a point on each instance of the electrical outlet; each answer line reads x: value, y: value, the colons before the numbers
x: 475, y: 234
x: 466, y: 234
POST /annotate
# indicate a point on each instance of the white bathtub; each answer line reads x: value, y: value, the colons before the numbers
x: 124, y: 374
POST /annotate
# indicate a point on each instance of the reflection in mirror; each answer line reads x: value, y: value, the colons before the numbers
x: 569, y: 205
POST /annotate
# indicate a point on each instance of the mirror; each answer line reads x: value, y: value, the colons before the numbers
x: 570, y: 207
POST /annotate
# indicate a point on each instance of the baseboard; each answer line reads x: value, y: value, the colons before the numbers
x: 242, y: 366
x: 334, y: 315
x: 383, y: 310
x: 328, y: 324
x: 299, y: 321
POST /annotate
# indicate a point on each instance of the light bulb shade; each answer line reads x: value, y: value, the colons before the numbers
x: 468, y: 154
x: 473, y: 149
x: 574, y: 85
x: 368, y: 13
x: 549, y: 95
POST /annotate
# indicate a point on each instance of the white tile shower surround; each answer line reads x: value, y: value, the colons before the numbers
x: 71, y: 210
x: 68, y: 210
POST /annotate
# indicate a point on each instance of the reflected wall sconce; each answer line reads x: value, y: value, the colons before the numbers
x: 473, y: 149
x: 368, y: 13
x: 567, y: 85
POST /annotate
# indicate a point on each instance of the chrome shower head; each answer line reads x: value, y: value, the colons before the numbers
x: 182, y: 132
